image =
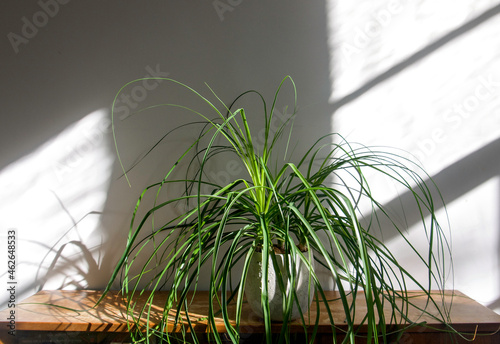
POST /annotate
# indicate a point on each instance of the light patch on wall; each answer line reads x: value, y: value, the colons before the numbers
x: 368, y: 37
x: 439, y: 107
x: 424, y: 77
x: 476, y: 261
x: 47, y: 196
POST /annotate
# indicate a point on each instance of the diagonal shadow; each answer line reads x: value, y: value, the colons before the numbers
x: 462, y: 176
x: 429, y: 49
x: 455, y: 180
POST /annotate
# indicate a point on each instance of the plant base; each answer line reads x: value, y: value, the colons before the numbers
x: 304, y: 286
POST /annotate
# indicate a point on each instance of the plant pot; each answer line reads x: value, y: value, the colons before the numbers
x: 304, y: 286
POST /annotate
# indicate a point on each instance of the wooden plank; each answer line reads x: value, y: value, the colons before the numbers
x: 60, y: 310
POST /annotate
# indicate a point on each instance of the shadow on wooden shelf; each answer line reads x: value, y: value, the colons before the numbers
x: 70, y: 317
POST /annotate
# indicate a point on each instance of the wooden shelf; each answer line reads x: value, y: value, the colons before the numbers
x: 74, y: 311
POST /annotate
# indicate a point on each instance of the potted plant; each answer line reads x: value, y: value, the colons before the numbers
x: 286, y: 216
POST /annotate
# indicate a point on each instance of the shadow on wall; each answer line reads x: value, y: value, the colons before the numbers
x: 44, y: 192
x: 78, y: 264
x: 265, y: 57
x: 462, y: 176
x: 416, y: 57
x: 242, y: 55
x: 455, y: 182
x: 457, y: 179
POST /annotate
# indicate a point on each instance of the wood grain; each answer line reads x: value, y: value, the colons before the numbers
x: 60, y: 310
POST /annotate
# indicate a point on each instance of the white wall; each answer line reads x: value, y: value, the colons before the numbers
x: 424, y: 76
x: 60, y: 71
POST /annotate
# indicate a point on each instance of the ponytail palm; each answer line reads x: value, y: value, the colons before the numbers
x: 312, y: 207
